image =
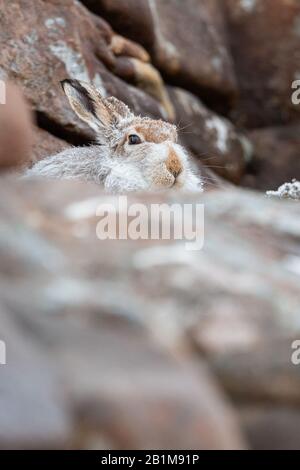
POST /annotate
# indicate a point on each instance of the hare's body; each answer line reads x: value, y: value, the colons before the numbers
x: 83, y: 163
x: 133, y: 154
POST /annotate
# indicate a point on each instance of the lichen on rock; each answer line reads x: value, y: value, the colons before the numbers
x: 287, y: 191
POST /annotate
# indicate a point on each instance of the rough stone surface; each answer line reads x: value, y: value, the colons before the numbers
x: 265, y: 46
x: 33, y: 411
x: 131, y: 18
x: 175, y: 33
x: 181, y: 34
x: 276, y: 157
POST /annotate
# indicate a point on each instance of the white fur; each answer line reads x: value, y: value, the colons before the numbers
x: 95, y: 164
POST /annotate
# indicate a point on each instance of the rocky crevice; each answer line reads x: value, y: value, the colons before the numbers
x: 126, y: 344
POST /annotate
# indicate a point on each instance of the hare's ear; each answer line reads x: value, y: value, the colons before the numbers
x: 119, y: 109
x: 91, y: 107
x: 88, y: 104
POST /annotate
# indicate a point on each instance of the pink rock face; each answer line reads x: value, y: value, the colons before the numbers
x: 16, y: 134
x: 265, y: 37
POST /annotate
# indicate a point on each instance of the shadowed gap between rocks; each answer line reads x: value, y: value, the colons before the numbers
x: 70, y: 136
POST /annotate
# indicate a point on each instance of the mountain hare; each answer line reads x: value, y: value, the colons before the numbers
x: 133, y: 153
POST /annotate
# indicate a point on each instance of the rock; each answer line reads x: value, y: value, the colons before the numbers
x: 15, y: 128
x: 260, y: 373
x: 245, y: 319
x: 85, y: 312
x: 147, y: 78
x: 271, y: 428
x: 174, y: 35
x: 153, y: 310
x: 121, y: 46
x: 139, y: 401
x: 46, y: 144
x: 211, y: 138
x: 33, y: 411
x: 144, y: 397
x: 125, y: 344
x: 132, y: 19
x: 183, y: 34
x: 43, y: 43
x: 275, y: 160
x: 265, y: 49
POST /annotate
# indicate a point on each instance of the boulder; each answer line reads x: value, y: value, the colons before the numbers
x: 264, y: 38
x: 131, y: 18
x: 175, y: 35
x: 125, y: 387
x: 271, y: 427
x: 153, y: 309
x: 183, y: 34
x: 16, y: 131
x: 33, y: 409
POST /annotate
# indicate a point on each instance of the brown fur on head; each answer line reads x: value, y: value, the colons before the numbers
x: 156, y: 131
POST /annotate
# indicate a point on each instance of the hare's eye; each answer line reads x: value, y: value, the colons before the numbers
x: 134, y: 139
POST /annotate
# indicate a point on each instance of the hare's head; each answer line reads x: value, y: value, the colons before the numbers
x: 147, y: 147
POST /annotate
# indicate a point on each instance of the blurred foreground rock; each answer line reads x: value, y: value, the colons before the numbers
x: 16, y: 132
x: 131, y: 333
x: 112, y: 382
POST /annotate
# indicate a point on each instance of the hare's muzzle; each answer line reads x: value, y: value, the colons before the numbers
x: 173, y: 163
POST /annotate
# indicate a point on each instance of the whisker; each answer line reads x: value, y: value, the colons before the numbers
x: 215, y: 166
x: 185, y: 127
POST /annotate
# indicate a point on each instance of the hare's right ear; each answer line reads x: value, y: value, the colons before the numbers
x: 99, y: 113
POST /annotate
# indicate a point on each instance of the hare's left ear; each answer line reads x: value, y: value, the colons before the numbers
x: 99, y: 113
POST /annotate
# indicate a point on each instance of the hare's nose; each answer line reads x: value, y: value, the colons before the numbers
x: 173, y: 163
